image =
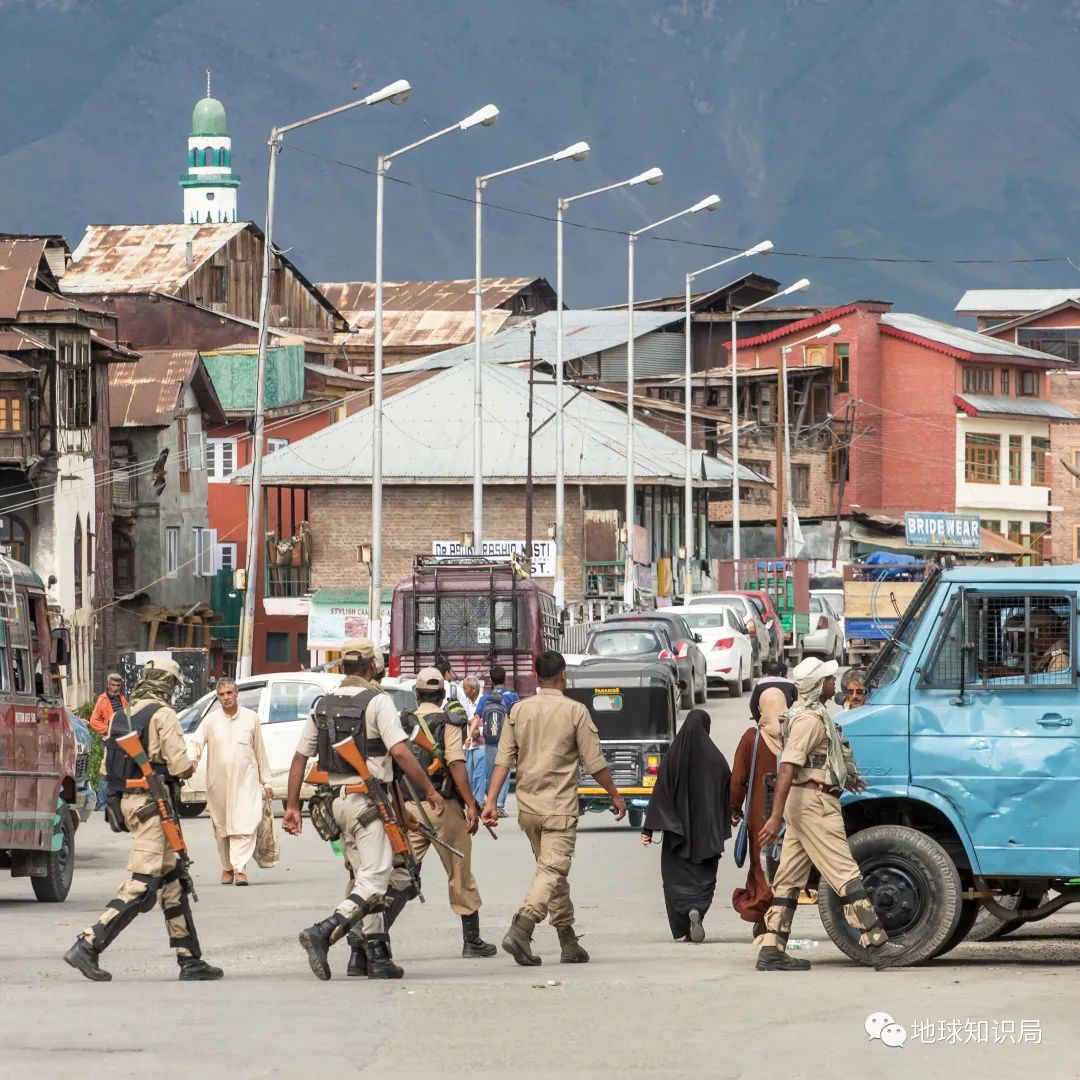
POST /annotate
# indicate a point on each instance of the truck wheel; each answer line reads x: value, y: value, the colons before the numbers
x: 635, y: 817
x: 912, y: 883
x: 969, y: 912
x: 191, y: 809
x: 54, y: 887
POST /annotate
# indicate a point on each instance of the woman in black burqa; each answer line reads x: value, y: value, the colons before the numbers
x: 689, y: 806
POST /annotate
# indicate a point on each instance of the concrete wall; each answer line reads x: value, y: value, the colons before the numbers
x: 1063, y: 387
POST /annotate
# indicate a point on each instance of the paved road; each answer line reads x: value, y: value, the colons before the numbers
x: 645, y: 1007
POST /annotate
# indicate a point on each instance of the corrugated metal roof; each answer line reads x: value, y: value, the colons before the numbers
x: 15, y: 339
x: 147, y: 393
x: 585, y: 332
x: 19, y: 261
x: 965, y: 341
x: 328, y: 371
x: 455, y: 294
x: 1012, y: 301
x: 1021, y: 407
x: 10, y: 366
x: 420, y: 329
x: 427, y: 438
x: 143, y: 258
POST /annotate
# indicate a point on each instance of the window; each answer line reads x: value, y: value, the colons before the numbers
x: 123, y: 563
x: 277, y: 652
x: 196, y: 451
x: 800, y: 484
x: 1063, y: 341
x: 203, y: 564
x: 981, y: 458
x: 838, y: 460
x: 172, y: 550
x: 762, y: 468
x: 89, y: 534
x: 219, y: 284
x: 182, y: 450
x: 1040, y: 451
x: 78, y: 562
x: 1028, y: 385
x: 226, y: 557
x: 978, y: 380
x: 1005, y: 382
x: 992, y: 525
x: 1020, y: 640
x: 1016, y: 532
x: 290, y: 701
x: 11, y: 414
x: 464, y: 623
x: 14, y: 538
x: 220, y: 459
x: 75, y: 386
x: 20, y: 650
x: 1016, y: 459
x: 275, y: 444
x: 765, y: 403
x: 301, y: 648
x: 840, y: 368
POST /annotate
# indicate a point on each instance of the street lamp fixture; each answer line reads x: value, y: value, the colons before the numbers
x: 651, y: 177
x: 736, y: 530
x: 578, y: 151
x: 397, y: 93
x: 710, y: 202
x: 364, y: 554
x: 784, y: 502
x: 483, y: 117
x: 688, y: 485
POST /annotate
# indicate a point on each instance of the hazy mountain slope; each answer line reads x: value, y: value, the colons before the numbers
x: 846, y: 127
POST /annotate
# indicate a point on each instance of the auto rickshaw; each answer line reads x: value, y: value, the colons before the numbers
x: 634, y: 708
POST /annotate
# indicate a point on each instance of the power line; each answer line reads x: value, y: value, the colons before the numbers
x: 881, y: 259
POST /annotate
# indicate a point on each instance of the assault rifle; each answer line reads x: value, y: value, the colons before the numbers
x: 425, y: 827
x: 348, y: 751
x: 155, y: 786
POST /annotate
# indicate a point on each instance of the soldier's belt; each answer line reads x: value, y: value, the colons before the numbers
x: 819, y: 786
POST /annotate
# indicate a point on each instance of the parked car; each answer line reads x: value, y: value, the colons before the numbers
x: 835, y: 599
x: 763, y: 601
x: 729, y: 656
x: 85, y: 801
x: 646, y: 643
x: 693, y: 686
x: 755, y: 624
x: 283, y: 701
x: 826, y: 636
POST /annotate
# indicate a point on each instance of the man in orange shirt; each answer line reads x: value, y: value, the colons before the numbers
x: 112, y: 701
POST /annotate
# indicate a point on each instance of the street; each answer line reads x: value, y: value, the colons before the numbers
x: 645, y: 1006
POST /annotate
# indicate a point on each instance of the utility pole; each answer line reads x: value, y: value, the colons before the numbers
x: 528, y: 467
x: 781, y: 407
x: 849, y: 428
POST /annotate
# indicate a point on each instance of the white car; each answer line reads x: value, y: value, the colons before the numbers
x: 726, y: 642
x: 283, y: 701
x: 826, y: 636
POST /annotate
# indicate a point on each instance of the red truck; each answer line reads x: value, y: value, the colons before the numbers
x: 38, y: 753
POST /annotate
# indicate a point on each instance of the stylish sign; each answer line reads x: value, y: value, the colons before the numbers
x: 941, y: 530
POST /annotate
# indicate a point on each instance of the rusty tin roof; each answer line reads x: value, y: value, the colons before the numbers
x: 149, y: 392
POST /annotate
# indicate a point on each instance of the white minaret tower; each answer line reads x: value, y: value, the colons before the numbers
x: 209, y: 183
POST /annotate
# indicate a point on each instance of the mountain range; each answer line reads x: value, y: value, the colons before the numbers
x: 842, y: 130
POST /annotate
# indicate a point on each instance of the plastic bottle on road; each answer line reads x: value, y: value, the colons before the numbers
x: 798, y: 944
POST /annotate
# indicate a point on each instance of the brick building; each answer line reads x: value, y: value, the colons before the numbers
x: 428, y: 476
x: 914, y: 414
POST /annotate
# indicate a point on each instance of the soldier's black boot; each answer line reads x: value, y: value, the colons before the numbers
x: 572, y: 952
x: 357, y: 955
x: 887, y: 954
x: 473, y: 945
x: 83, y: 957
x: 380, y: 961
x: 771, y: 958
x: 196, y: 969
x: 316, y: 941
x: 518, y: 941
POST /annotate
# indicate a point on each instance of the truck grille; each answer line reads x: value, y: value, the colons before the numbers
x: 625, y: 766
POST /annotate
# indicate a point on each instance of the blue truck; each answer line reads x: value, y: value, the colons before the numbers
x: 970, y: 742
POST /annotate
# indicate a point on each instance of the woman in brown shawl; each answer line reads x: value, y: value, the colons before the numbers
x: 752, y: 901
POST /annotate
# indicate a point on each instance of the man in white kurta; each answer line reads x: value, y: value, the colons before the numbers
x: 237, y: 777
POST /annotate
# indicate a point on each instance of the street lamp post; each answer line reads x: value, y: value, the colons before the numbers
x: 688, y: 493
x: 736, y: 539
x: 710, y: 202
x: 397, y: 93
x: 784, y: 490
x: 579, y: 151
x: 484, y: 117
x: 652, y: 177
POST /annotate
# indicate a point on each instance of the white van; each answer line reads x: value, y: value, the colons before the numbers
x: 283, y: 701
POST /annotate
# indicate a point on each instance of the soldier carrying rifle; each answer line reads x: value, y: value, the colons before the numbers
x: 353, y: 731
x: 145, y: 759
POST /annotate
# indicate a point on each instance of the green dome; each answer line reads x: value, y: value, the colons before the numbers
x: 208, y: 118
